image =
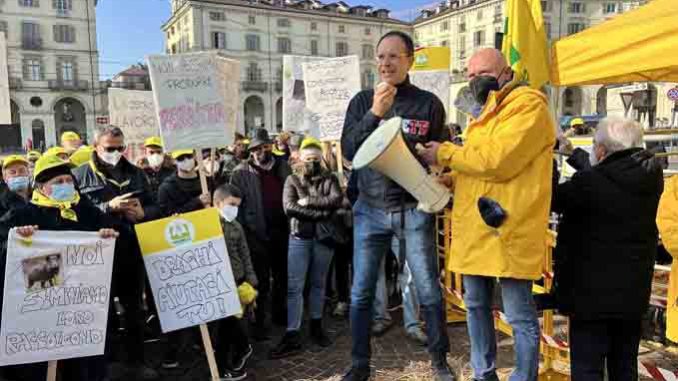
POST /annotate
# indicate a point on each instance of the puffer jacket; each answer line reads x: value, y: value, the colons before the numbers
x: 324, y: 198
x: 667, y: 221
x: 507, y: 157
x: 239, y: 253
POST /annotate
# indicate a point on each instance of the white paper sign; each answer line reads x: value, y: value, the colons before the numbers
x: 5, y: 111
x: 437, y: 82
x: 189, y: 269
x: 56, y: 296
x: 329, y: 86
x: 196, y: 97
x: 296, y: 116
x: 134, y: 112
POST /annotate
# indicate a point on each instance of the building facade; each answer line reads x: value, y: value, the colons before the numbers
x: 468, y: 25
x: 53, y: 69
x: 259, y: 33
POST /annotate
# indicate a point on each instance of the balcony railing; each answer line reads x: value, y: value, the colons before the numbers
x: 31, y: 44
x: 60, y: 85
x: 255, y: 86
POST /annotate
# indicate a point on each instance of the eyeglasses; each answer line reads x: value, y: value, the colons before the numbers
x: 113, y: 149
x: 381, y: 58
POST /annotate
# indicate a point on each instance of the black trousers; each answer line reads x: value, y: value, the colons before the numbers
x: 232, y: 341
x: 593, y: 343
x: 269, y: 260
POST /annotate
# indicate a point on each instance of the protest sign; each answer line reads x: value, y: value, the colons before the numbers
x: 57, y: 290
x: 296, y: 116
x: 329, y: 86
x: 189, y: 269
x: 196, y: 99
x: 5, y: 111
x: 134, y: 112
x: 431, y: 72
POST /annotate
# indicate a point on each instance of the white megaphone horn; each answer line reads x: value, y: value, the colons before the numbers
x: 386, y: 151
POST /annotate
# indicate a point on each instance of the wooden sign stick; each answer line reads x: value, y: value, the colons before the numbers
x: 204, y: 331
x: 52, y: 370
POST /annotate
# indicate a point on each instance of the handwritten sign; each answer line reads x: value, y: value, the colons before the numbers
x: 57, y: 290
x: 5, y: 111
x: 329, y: 86
x: 189, y: 270
x: 431, y: 72
x: 196, y: 97
x: 296, y: 116
x: 134, y: 112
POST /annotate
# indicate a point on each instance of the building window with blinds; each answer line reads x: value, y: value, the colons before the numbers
x: 341, y: 49
x: 252, y: 42
x: 29, y: 3
x: 32, y: 68
x: 30, y: 36
x: 254, y: 72
x: 218, y: 40
x: 284, y: 45
x: 64, y: 34
x: 63, y: 7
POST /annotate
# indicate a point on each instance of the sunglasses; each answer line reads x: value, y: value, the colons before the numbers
x: 114, y: 149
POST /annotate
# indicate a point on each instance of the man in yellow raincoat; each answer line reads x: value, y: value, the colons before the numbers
x: 667, y: 221
x: 502, y: 180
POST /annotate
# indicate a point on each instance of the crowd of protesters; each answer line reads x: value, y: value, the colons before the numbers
x: 302, y: 229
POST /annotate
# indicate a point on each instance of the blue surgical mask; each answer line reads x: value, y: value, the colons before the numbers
x: 62, y: 192
x: 16, y: 184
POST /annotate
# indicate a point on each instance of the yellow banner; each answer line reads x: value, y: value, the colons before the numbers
x: 432, y: 58
x: 184, y: 229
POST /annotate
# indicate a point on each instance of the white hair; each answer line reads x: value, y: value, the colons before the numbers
x: 618, y: 134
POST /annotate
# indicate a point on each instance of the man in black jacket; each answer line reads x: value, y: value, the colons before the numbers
x: 385, y: 210
x: 182, y: 192
x: 261, y: 179
x: 156, y: 164
x: 120, y: 189
x: 605, y: 254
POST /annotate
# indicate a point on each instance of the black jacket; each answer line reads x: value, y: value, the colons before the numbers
x: 424, y: 121
x: 324, y: 198
x: 251, y: 215
x: 9, y: 200
x: 156, y: 178
x: 607, y: 237
x: 94, y: 182
x: 177, y: 195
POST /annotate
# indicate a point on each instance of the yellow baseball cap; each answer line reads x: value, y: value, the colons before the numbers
x: 153, y: 141
x: 82, y: 155
x: 14, y: 159
x: 33, y: 155
x: 182, y: 152
x: 311, y: 142
x: 57, y: 150
x: 576, y: 122
x: 52, y: 164
x: 69, y: 136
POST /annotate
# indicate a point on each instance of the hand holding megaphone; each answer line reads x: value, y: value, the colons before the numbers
x: 384, y: 95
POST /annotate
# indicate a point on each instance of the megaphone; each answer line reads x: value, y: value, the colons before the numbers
x: 386, y: 152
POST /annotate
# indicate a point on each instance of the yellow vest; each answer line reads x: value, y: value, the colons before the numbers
x: 667, y: 222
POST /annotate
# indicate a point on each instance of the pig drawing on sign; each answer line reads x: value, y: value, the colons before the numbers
x: 43, y: 271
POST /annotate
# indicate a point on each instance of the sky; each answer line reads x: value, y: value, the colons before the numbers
x: 127, y: 30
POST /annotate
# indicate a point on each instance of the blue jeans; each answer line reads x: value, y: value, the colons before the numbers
x: 374, y: 230
x: 521, y: 314
x: 408, y: 290
x: 306, y: 256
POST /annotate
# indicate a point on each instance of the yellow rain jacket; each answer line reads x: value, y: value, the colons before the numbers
x: 667, y: 221
x: 507, y: 157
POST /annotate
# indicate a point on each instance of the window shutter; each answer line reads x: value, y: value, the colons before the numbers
x: 59, y: 70
x: 55, y: 30
x: 36, y: 3
x: 24, y: 69
x: 69, y: 4
x: 72, y: 28
x: 42, y: 70
x: 55, y: 4
x: 75, y: 70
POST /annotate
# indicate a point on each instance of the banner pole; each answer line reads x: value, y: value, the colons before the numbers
x: 52, y: 370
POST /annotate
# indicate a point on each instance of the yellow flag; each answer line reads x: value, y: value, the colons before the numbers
x: 525, y: 44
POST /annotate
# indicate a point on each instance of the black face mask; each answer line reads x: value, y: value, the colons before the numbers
x: 313, y: 168
x: 265, y: 157
x: 482, y: 85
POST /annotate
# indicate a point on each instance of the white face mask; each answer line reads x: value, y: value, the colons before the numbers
x: 186, y: 165
x: 229, y: 212
x: 111, y: 158
x: 155, y: 160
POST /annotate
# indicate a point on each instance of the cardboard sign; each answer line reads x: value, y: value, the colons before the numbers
x: 329, y: 86
x: 57, y: 290
x: 5, y: 111
x: 134, y: 112
x: 196, y: 97
x: 189, y: 270
x: 296, y: 116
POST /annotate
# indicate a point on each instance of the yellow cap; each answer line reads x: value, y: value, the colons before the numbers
x: 13, y: 159
x: 55, y: 151
x: 310, y: 142
x: 69, y: 136
x: 82, y: 155
x: 48, y: 162
x: 247, y: 294
x: 153, y: 141
x: 576, y: 122
x: 33, y: 155
x: 182, y: 152
x: 246, y: 142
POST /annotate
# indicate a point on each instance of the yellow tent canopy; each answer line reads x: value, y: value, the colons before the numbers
x: 637, y: 46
